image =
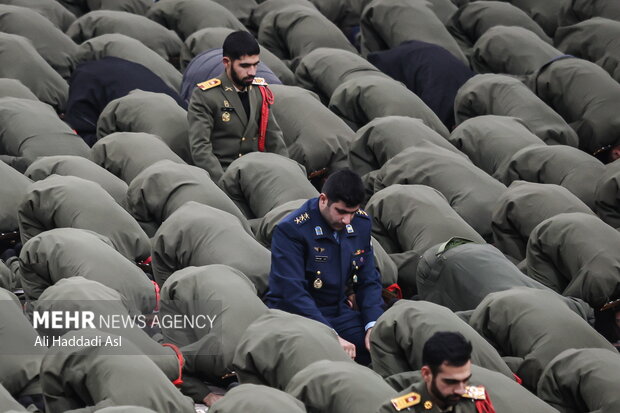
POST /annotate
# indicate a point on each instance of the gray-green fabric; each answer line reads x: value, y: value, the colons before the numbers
x: 324, y: 69
x: 359, y: 100
x: 277, y: 345
x: 490, y: 141
x: 385, y: 24
x: 585, y: 95
x: 470, y: 191
x: 213, y: 38
x: 579, y: 10
x: 471, y: 21
x: 383, y: 138
x: 581, y: 381
x: 126, y: 154
x: 71, y: 378
x: 336, y: 11
x: 506, y: 394
x: 228, y: 298
x: 216, y: 140
x: 50, y: 42
x: 398, y: 338
x: 79, y: 7
x: 156, y: 37
x: 20, y: 60
x: 125, y: 409
x: 339, y: 387
x: 8, y: 404
x: 197, y: 234
x: 259, y: 399
x: 267, y: 224
x: 562, y: 165
x: 81, y: 167
x: 460, y: 277
x: 163, y: 187
x: 318, y: 139
x: 78, y: 295
x: 607, y: 195
x: 596, y: 39
x: 148, y: 112
x: 188, y: 16
x: 525, y: 205
x: 293, y: 31
x: 535, y: 325
x: 50, y: 9
x: 409, y: 219
x: 69, y: 252
x: 31, y: 129
x: 545, y: 13
x: 500, y: 95
x: 7, y: 277
x: 510, y: 49
x: 128, y: 48
x: 15, y: 89
x: 261, y: 181
x: 20, y: 359
x: 14, y: 187
x: 69, y: 201
x: 268, y: 6
x: 576, y: 255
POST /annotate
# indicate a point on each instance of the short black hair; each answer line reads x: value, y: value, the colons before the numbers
x: 446, y: 347
x: 240, y: 43
x: 346, y: 186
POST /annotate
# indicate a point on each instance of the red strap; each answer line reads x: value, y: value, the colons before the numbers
x: 485, y: 406
x: 395, y: 288
x: 179, y: 380
x: 264, y: 116
x: 157, y: 295
x: 147, y: 261
x: 518, y: 379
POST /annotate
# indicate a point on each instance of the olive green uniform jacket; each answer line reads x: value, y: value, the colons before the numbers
x: 534, y: 325
x: 408, y: 220
x: 607, y: 195
x: 70, y: 252
x: 501, y: 95
x: 79, y: 7
x: 339, y: 387
x: 197, y: 234
x: 579, y: 381
x: 51, y: 9
x: 277, y: 345
x: 525, y: 205
x: 397, y: 340
x: 15, y: 89
x: 72, y: 378
x: 229, y: 298
x: 576, y: 255
x: 68, y: 201
x: 258, y: 399
x: 576, y: 11
x: 220, y: 131
x: 14, y: 187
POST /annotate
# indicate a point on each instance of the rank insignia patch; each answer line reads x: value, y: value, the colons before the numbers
x: 209, y: 84
x: 318, y: 230
x: 349, y: 229
x: 302, y: 218
x: 408, y: 400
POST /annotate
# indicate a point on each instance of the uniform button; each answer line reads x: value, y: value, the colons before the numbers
x: 240, y: 155
x: 243, y: 139
x: 253, y: 139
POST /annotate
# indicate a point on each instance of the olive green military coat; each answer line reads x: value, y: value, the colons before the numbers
x: 258, y: 399
x: 14, y: 187
x: 607, y: 195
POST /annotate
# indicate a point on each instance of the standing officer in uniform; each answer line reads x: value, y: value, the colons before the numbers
x: 446, y: 372
x: 320, y: 255
x: 229, y: 115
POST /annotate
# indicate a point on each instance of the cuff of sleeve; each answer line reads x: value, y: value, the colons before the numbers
x: 370, y: 325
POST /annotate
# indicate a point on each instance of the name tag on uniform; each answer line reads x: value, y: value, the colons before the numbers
x: 320, y: 258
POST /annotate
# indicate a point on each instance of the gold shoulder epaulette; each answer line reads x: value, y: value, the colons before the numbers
x: 361, y: 212
x: 408, y: 400
x: 259, y: 81
x: 475, y: 392
x: 209, y: 83
x: 302, y: 218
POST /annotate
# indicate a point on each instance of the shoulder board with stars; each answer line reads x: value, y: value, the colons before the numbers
x: 209, y: 84
x: 475, y: 392
x: 406, y: 401
x: 259, y: 81
x: 361, y: 212
x: 302, y: 218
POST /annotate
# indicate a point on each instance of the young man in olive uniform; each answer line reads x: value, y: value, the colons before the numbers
x: 229, y: 115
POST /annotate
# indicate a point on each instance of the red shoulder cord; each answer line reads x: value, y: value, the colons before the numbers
x: 157, y: 295
x: 395, y: 289
x: 264, y: 116
x: 485, y: 406
x: 179, y: 380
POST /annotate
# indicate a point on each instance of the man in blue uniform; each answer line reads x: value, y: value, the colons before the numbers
x: 320, y: 255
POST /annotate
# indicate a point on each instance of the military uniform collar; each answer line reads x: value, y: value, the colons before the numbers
x: 233, y: 97
x: 322, y: 229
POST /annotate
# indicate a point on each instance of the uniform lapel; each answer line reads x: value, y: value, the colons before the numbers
x: 230, y: 94
x: 251, y: 127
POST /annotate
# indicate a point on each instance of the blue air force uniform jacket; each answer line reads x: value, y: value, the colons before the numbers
x: 311, y: 271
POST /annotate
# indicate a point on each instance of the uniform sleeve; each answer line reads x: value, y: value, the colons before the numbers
x: 368, y: 294
x: 274, y: 138
x: 200, y: 119
x: 287, y: 279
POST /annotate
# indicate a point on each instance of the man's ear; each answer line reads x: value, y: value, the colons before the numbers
x: 615, y: 152
x: 427, y: 375
x: 226, y: 60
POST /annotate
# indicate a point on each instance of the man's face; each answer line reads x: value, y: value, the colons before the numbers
x: 337, y: 214
x: 243, y: 70
x: 448, y: 385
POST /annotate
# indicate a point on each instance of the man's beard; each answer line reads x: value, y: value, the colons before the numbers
x: 246, y: 81
x: 447, y: 401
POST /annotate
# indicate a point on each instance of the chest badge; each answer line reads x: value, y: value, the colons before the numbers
x: 428, y: 405
x: 318, y: 283
x: 318, y: 230
x: 226, y: 104
x: 226, y: 117
x: 349, y: 229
